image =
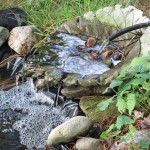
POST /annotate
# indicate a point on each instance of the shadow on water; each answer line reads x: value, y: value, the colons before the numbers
x: 9, y: 138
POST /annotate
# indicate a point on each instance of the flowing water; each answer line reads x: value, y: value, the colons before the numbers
x: 26, y: 115
x: 67, y: 57
x: 31, y: 113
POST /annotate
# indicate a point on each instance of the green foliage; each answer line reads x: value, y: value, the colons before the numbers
x: 132, y: 89
x: 144, y: 145
x: 104, y: 104
x: 47, y: 15
x: 121, y: 121
x: 128, y: 136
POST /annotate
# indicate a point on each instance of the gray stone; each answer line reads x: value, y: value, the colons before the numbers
x: 76, y: 91
x: 87, y: 143
x: 143, y: 135
x: 69, y: 130
x: 53, y: 77
x: 145, y: 42
x: 72, y: 79
x: 4, y: 34
x: 21, y: 39
x: 40, y: 83
x: 121, y: 17
x: 89, y: 81
x: 90, y: 16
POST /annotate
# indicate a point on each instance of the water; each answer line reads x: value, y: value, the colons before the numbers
x: 32, y: 113
x: 67, y: 57
x: 9, y: 138
x: 27, y: 116
x: 72, y: 61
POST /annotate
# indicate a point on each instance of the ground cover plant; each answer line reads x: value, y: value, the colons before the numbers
x: 132, y: 93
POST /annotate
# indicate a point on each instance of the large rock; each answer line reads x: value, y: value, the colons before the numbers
x: 121, y: 17
x: 21, y: 39
x: 4, y: 34
x: 12, y: 17
x: 69, y: 130
x: 88, y: 104
x: 143, y: 135
x: 87, y: 143
x: 145, y: 42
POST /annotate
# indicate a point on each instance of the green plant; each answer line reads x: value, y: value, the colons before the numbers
x: 47, y: 15
x: 132, y: 89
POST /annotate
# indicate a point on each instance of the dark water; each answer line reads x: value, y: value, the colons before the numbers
x: 9, y: 138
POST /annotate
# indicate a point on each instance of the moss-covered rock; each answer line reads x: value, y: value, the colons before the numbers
x: 88, y: 104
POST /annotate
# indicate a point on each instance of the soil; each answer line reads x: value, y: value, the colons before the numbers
x: 144, y: 5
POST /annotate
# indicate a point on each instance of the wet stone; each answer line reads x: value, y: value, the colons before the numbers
x: 87, y: 81
x: 72, y: 79
x: 70, y: 52
x: 76, y: 91
x: 53, y: 76
x: 40, y: 83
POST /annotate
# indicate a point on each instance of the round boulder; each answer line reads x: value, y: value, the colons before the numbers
x: 4, y: 34
x: 87, y: 143
x: 69, y: 130
x: 21, y: 39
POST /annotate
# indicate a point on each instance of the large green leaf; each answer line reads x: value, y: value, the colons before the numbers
x: 140, y: 60
x: 105, y: 103
x: 104, y: 134
x: 131, y: 101
x: 123, y: 120
x: 121, y: 104
x: 124, y: 88
x: 139, y: 68
x: 143, y: 75
x: 146, y: 86
x: 115, y: 83
x: 137, y: 81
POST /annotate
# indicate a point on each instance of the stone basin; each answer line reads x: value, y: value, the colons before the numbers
x: 59, y: 61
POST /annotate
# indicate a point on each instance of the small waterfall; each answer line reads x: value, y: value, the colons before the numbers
x: 36, y: 114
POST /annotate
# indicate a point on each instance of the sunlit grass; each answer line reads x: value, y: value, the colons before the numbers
x: 47, y: 15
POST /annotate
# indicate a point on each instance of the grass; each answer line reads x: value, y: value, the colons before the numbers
x: 48, y: 15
